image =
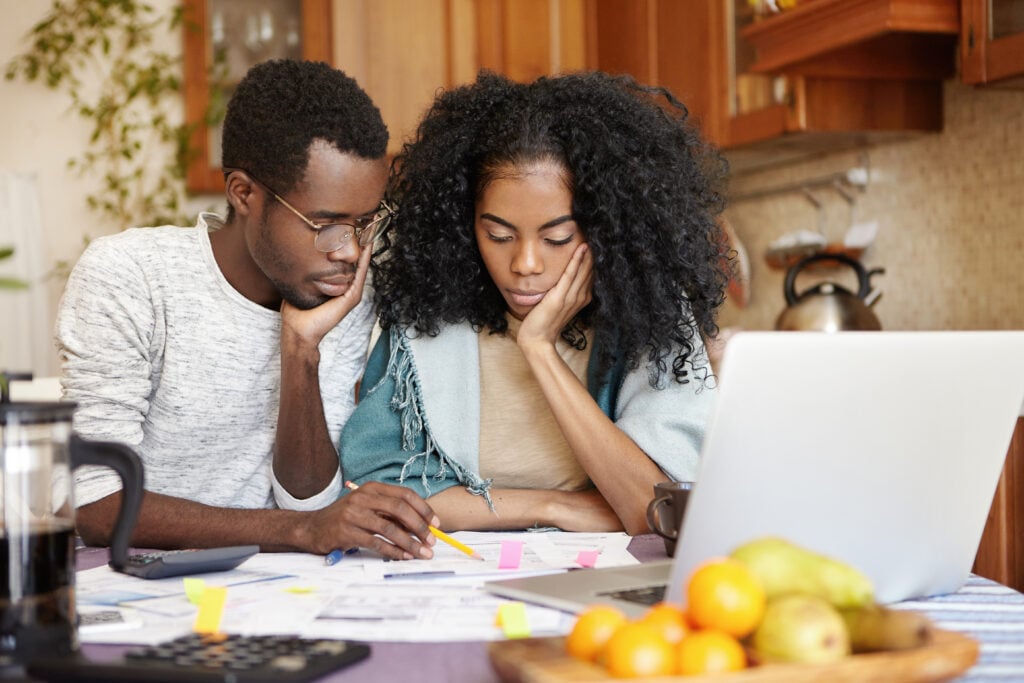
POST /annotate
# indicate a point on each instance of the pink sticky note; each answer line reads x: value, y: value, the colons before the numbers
x: 587, y: 558
x: 511, y: 554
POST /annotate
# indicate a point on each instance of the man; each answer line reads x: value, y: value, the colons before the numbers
x: 227, y: 354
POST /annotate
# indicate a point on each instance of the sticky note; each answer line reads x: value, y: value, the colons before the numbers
x: 194, y: 590
x: 211, y: 608
x: 511, y: 555
x: 300, y: 590
x: 512, y: 620
x: 587, y: 558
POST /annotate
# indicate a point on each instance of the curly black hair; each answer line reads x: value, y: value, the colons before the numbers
x: 645, y: 192
x: 283, y: 105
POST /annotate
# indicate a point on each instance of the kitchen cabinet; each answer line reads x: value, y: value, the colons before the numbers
x: 402, y: 52
x: 824, y: 76
x: 992, y: 42
x: 1001, y: 551
x: 223, y: 38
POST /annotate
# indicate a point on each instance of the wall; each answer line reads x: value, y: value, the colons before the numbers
x: 950, y: 209
x: 37, y: 136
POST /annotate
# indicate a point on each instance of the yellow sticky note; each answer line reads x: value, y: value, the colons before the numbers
x: 211, y: 608
x: 512, y: 620
x: 300, y: 590
x: 194, y: 590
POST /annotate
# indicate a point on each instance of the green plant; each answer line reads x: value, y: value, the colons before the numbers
x: 10, y: 282
x: 102, y: 53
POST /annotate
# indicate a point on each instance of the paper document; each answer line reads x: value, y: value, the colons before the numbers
x: 362, y: 596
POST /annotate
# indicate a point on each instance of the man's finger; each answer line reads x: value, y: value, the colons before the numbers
x: 392, y: 517
x: 396, y: 508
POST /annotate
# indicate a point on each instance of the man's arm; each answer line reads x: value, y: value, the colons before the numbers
x: 364, y: 518
x: 305, y: 459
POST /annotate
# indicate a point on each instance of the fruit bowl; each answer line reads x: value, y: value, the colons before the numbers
x: 949, y: 654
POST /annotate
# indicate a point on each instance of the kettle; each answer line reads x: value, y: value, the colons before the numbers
x: 829, y: 307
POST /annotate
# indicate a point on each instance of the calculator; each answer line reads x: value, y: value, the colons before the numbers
x: 164, y: 563
x: 197, y: 658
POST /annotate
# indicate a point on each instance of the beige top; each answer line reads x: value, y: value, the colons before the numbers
x: 521, y: 445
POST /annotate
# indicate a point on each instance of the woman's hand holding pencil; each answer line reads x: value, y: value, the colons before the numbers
x: 462, y: 547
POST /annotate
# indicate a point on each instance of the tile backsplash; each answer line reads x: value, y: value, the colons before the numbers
x: 950, y: 210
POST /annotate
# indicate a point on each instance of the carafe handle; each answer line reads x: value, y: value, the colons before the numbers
x: 127, y: 464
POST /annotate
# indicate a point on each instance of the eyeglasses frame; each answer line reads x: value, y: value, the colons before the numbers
x: 384, y: 212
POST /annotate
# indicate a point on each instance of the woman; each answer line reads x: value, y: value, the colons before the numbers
x: 553, y: 264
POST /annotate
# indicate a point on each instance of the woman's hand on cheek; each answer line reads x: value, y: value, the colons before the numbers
x: 562, y: 302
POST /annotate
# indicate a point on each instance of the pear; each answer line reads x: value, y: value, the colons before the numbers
x: 801, y: 628
x: 785, y: 568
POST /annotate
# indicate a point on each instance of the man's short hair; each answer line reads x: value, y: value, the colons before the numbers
x: 283, y: 105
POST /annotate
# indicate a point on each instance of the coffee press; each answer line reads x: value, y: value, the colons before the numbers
x: 38, y: 453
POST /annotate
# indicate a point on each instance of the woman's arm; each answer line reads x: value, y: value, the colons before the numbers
x: 459, y: 510
x: 622, y: 472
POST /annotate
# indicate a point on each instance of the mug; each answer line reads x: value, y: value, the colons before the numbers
x: 665, y: 512
x: 38, y: 453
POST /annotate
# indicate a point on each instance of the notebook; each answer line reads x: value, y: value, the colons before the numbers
x: 882, y: 449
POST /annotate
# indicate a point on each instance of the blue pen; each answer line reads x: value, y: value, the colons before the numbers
x: 334, y: 557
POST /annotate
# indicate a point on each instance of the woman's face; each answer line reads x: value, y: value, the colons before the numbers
x: 526, y: 233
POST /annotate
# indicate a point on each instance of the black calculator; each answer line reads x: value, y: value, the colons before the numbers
x: 164, y: 563
x: 223, y: 658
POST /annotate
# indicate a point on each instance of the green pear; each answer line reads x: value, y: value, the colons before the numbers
x: 786, y: 568
x: 801, y: 628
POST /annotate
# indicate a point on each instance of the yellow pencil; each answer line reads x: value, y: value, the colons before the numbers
x: 440, y: 534
x: 455, y: 544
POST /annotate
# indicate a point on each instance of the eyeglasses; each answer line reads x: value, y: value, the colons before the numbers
x: 336, y: 234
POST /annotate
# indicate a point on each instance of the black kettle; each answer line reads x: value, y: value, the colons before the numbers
x: 826, y: 306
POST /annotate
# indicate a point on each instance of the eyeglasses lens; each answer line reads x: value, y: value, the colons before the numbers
x: 333, y: 237
x: 375, y: 227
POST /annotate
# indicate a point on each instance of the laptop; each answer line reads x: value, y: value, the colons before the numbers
x: 882, y: 449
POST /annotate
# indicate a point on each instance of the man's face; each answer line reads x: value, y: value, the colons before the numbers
x: 336, y: 186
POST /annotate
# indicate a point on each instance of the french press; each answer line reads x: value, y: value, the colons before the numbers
x: 38, y: 453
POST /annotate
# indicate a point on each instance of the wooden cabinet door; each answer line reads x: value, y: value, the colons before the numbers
x: 526, y: 39
x: 241, y: 33
x: 403, y: 51
x: 992, y: 42
x: 830, y: 89
x: 1001, y: 552
x: 680, y: 45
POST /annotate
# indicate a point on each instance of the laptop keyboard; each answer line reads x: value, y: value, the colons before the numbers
x: 648, y: 595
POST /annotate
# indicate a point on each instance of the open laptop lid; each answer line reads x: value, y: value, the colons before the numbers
x: 879, y: 448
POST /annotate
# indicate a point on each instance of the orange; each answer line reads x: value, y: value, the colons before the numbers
x: 638, y: 649
x: 594, y: 626
x: 710, y: 651
x: 725, y: 594
x: 669, y: 619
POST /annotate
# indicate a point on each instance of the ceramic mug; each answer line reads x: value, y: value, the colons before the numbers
x: 665, y: 512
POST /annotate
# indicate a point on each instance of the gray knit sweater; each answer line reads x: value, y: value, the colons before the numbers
x: 161, y: 353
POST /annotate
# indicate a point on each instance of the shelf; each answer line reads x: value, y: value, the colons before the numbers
x: 868, y: 38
